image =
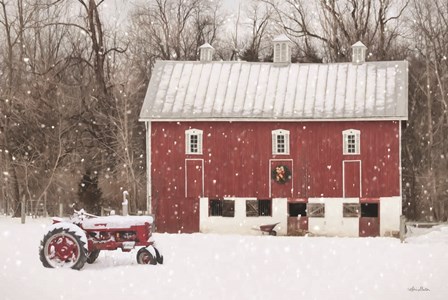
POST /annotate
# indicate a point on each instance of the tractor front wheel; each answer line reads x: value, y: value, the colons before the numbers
x: 145, y: 257
x: 93, y: 256
x: 62, y: 248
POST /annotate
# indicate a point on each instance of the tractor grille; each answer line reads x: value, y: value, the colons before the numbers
x: 148, y: 230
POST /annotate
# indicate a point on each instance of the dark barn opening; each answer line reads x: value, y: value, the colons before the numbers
x: 297, y: 209
x: 369, y: 210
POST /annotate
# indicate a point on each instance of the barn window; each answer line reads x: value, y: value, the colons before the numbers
x: 259, y: 208
x: 215, y: 207
x: 265, y: 207
x: 251, y: 208
x: 316, y: 210
x: 351, y: 141
x: 280, y: 141
x: 357, y: 55
x: 350, y: 210
x: 283, y: 53
x: 277, y: 53
x: 221, y: 208
x: 193, y: 141
x: 228, y: 208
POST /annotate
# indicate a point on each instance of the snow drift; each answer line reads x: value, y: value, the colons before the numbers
x: 206, y: 266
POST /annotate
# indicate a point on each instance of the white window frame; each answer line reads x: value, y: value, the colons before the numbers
x: 276, y: 144
x: 346, y: 143
x: 188, y: 143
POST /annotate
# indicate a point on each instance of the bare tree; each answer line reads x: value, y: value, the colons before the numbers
x: 14, y: 20
x: 259, y: 19
x: 428, y: 129
x: 341, y: 23
x: 177, y: 28
x: 58, y: 99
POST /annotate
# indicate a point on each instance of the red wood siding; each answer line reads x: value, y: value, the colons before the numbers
x: 177, y: 215
x: 238, y: 157
x: 369, y: 227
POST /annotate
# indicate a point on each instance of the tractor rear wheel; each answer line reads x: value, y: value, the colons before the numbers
x: 62, y: 248
x: 145, y: 257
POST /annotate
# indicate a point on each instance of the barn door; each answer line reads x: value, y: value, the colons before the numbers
x: 297, y: 217
x: 178, y: 215
x: 352, y: 178
x: 188, y: 208
x: 194, y: 177
x: 369, y: 222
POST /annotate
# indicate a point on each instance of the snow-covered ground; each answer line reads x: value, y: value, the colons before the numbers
x: 206, y: 266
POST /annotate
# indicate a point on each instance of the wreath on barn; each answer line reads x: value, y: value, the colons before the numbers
x: 281, y: 174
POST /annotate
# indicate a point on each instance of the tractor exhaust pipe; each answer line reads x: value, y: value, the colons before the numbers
x: 125, y: 203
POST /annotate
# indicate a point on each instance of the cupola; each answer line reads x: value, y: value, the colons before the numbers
x: 206, y: 52
x: 359, y: 53
x: 282, y: 49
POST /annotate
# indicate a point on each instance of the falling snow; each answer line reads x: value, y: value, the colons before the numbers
x: 202, y: 266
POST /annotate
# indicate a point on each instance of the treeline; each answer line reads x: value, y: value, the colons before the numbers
x: 72, y: 84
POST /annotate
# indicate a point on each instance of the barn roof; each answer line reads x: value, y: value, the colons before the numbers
x: 215, y: 90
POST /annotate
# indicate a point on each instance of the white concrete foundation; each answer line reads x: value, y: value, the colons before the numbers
x: 332, y: 224
x: 390, y: 211
x: 240, y: 224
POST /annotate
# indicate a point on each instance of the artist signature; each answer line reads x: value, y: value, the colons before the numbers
x: 420, y: 289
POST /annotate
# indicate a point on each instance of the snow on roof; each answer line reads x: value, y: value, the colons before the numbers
x: 116, y: 222
x: 192, y: 90
x: 206, y: 45
x: 359, y: 44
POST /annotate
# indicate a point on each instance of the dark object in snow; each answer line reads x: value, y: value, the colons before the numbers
x: 72, y: 243
x: 269, y: 228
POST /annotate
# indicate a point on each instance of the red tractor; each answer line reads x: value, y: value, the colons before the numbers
x: 72, y: 243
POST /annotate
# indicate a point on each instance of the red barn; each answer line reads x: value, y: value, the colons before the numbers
x: 316, y: 147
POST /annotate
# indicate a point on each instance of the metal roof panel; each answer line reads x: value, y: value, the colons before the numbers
x: 242, y: 90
